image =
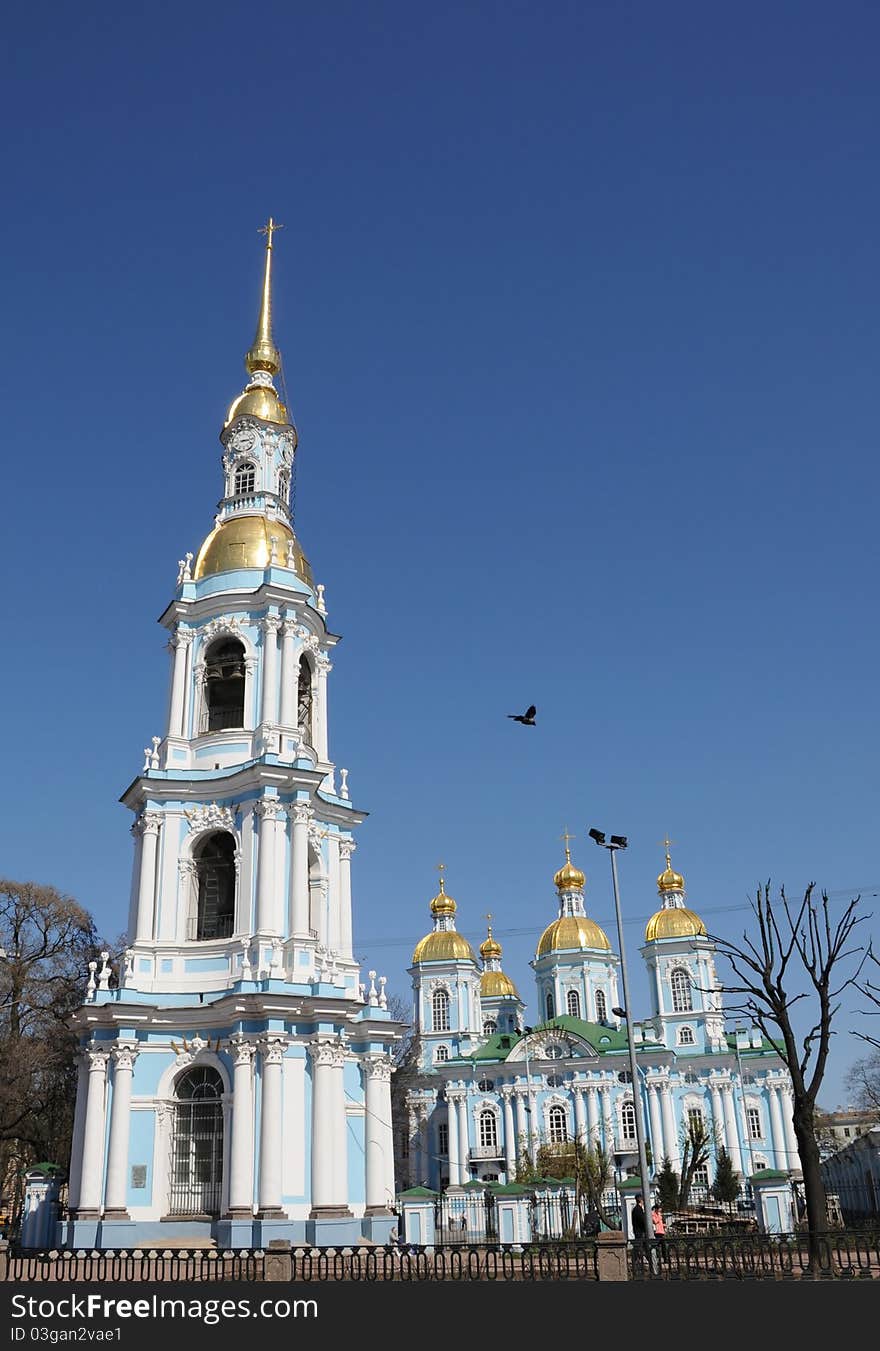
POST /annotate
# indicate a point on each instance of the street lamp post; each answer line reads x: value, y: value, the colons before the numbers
x: 742, y: 1098
x: 619, y: 842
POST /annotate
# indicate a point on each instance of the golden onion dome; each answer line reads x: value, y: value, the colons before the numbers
x: 490, y: 947
x: 443, y: 945
x: 246, y: 542
x: 494, y: 984
x: 568, y: 877
x: 572, y: 931
x: 669, y: 879
x: 443, y: 904
x: 676, y: 922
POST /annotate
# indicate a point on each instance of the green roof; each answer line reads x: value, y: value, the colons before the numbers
x: 603, y: 1038
x: 507, y: 1188
x: 418, y: 1191
x: 769, y: 1175
x: 630, y: 1184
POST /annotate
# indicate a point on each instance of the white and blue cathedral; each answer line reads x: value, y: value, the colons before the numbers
x: 235, y: 1082
x: 488, y: 1089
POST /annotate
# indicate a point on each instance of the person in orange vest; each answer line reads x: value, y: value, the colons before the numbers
x: 659, y: 1229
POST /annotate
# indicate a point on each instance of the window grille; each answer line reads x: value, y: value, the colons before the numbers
x: 196, y: 1171
x: 558, y: 1125
x: 601, y: 1007
x: 680, y: 981
x: 573, y: 1004
x: 440, y: 1011
x: 245, y: 478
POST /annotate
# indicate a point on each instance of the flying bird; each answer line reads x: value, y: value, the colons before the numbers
x: 527, y: 719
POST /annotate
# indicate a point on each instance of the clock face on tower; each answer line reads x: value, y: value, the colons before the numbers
x: 243, y: 440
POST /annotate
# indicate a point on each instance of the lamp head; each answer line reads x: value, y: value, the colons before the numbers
x: 619, y: 840
x: 619, y: 1013
x: 598, y: 836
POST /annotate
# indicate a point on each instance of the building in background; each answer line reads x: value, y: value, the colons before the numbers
x: 236, y: 1084
x: 487, y: 1088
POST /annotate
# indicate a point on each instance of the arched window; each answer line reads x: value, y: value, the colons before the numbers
x: 549, y: 1004
x: 486, y: 1085
x: 558, y: 1125
x: 441, y: 1054
x: 573, y: 1004
x: 197, y: 1144
x: 245, y: 478
x: 490, y: 1027
x: 488, y: 1130
x: 686, y: 1037
x: 215, y: 872
x: 224, y: 684
x: 628, y: 1121
x: 284, y: 484
x: 680, y: 982
x: 601, y: 1007
x: 304, y: 701
x: 440, y: 1011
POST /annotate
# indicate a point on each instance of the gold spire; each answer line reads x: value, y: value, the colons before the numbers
x: 264, y: 355
x: 490, y: 947
x: 442, y: 904
x: 669, y: 880
x: 568, y: 877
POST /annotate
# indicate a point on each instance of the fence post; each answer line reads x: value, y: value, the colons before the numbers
x: 611, y: 1256
x: 278, y: 1261
x: 4, y: 1259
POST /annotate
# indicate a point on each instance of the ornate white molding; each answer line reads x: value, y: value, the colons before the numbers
x: 241, y: 1050
x: 379, y: 1067
x: 268, y: 808
x: 97, y: 1059
x: 330, y: 1053
x: 323, y: 665
x: 148, y: 823
x: 346, y: 849
x: 228, y: 624
x: 270, y: 624
x: 124, y: 1056
x: 300, y: 813
x: 183, y: 637
x: 272, y: 1050
x: 211, y: 817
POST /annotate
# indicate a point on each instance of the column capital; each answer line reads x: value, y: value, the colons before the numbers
x: 124, y: 1055
x: 378, y: 1067
x: 270, y: 624
x: 300, y: 813
x: 183, y: 637
x: 290, y: 628
x: 331, y: 1052
x: 272, y: 1049
x: 267, y: 808
x: 148, y: 823
x: 346, y: 849
x: 96, y: 1058
x: 323, y: 664
x: 242, y: 1050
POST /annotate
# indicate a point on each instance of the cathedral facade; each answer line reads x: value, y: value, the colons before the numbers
x: 488, y: 1089
x: 235, y: 1081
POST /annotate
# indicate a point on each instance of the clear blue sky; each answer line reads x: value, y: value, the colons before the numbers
x: 580, y: 310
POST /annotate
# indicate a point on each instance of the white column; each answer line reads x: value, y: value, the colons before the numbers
x: 93, y: 1137
x: 241, y: 1166
x: 289, y: 673
x: 79, y: 1122
x: 329, y: 1193
x: 522, y: 1127
x: 463, y: 1140
x: 607, y: 1119
x: 452, y: 1131
x: 776, y: 1128
x: 580, y: 1116
x: 268, y: 916
x: 300, y: 814
x: 657, y: 1145
x: 592, y: 1114
x: 270, y: 626
x: 182, y: 640
x: 509, y: 1135
x: 148, y: 824
x: 378, y: 1116
x: 791, y: 1144
x: 322, y: 668
x: 415, y: 1157
x: 120, y: 1123
x: 730, y: 1131
x: 271, y: 1054
x: 346, y: 849
x: 670, y: 1134
x: 718, y: 1121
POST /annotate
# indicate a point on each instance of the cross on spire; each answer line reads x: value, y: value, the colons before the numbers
x: 565, y: 836
x: 268, y: 230
x: 666, y: 845
x: 441, y: 868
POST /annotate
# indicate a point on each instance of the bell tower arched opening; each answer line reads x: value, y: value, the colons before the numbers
x: 215, y: 874
x: 224, y: 684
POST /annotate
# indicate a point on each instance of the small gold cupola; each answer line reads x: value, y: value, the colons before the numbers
x: 494, y: 984
x: 573, y: 929
x: 444, y: 943
x: 673, y: 919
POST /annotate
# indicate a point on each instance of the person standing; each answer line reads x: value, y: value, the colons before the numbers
x: 637, y: 1219
x: 659, y: 1229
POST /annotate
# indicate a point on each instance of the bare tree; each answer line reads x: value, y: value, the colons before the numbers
x: 47, y: 940
x: 799, y: 956
x: 863, y: 1081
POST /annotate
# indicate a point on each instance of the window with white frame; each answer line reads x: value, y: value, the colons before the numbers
x: 441, y: 1053
x: 628, y: 1121
x: 695, y: 1119
x: 759, y: 1163
x: 548, y: 1004
x: 490, y: 1027
x: 440, y: 1011
x: 680, y: 983
x: 245, y: 478
x: 601, y: 1007
x: 573, y: 1004
x: 686, y: 1037
x: 443, y: 1138
x: 558, y: 1124
x: 753, y: 1116
x: 488, y: 1130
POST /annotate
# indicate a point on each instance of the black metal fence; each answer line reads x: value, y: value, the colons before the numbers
x: 836, y: 1255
